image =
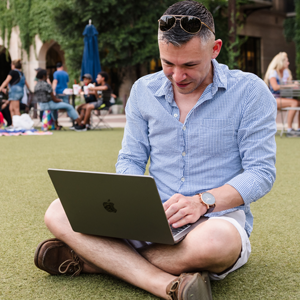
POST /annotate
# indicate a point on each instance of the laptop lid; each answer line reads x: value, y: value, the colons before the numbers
x: 112, y: 205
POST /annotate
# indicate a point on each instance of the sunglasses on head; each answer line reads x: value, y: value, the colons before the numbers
x: 189, y: 24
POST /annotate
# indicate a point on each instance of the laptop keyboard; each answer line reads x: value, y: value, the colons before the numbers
x: 176, y: 231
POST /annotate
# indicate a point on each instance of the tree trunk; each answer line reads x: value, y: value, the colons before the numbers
x: 231, y: 21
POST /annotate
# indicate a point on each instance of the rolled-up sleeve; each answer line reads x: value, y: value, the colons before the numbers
x: 256, y: 141
x: 133, y: 156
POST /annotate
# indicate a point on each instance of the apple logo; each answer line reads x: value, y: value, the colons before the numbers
x: 109, y: 206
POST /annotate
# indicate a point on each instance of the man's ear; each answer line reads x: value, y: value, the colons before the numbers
x: 217, y: 45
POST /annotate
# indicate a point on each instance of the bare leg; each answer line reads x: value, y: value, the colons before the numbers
x: 82, y: 113
x: 79, y: 108
x: 87, y: 115
x: 112, y: 255
x: 288, y: 102
x: 14, y: 108
x: 214, y: 246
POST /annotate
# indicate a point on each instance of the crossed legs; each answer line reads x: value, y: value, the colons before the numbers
x: 84, y: 113
x: 214, y: 245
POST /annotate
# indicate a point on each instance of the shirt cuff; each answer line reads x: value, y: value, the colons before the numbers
x: 247, y: 186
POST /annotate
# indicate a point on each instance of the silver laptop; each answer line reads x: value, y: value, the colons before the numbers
x: 114, y: 205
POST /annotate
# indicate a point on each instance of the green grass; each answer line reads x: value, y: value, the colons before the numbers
x: 273, y: 271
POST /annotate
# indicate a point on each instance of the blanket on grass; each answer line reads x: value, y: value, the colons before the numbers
x: 4, y: 132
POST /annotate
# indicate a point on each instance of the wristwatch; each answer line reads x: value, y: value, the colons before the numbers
x: 208, y: 200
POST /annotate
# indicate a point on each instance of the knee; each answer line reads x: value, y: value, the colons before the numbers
x: 55, y: 217
x: 295, y: 103
x: 219, y: 246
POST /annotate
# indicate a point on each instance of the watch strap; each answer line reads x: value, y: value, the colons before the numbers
x: 210, y: 208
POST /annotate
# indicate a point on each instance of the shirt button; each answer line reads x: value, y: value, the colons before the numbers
x: 183, y: 128
x: 182, y: 179
x: 175, y: 115
x: 183, y: 153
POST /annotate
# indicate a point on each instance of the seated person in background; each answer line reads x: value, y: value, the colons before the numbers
x: 47, y: 101
x: 35, y: 78
x: 278, y: 73
x: 90, y: 97
x: 101, y: 88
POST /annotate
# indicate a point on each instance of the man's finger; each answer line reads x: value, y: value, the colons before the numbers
x: 178, y: 215
x: 173, y: 209
x: 184, y: 221
x: 188, y: 219
x: 175, y: 198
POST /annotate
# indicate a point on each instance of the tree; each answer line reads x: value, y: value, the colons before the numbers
x: 127, y: 28
x: 292, y: 33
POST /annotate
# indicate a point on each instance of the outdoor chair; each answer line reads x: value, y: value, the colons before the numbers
x: 100, y: 114
x: 286, y: 91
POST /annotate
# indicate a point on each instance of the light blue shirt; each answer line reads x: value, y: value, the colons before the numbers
x: 227, y: 137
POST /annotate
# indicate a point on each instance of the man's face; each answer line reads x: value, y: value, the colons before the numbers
x: 187, y: 66
x: 86, y: 81
x: 99, y: 79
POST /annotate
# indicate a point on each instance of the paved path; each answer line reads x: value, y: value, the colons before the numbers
x: 116, y: 121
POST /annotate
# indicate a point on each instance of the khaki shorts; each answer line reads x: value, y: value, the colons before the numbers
x: 236, y: 218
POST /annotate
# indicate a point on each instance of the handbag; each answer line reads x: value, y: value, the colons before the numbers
x: 47, y: 121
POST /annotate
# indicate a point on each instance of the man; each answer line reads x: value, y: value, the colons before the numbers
x: 60, y: 82
x: 206, y: 129
x: 103, y: 88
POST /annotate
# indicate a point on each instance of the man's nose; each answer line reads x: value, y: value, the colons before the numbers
x: 178, y: 75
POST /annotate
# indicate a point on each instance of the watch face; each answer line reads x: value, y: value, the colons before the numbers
x: 208, y: 198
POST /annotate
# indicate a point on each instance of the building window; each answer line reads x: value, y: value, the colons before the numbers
x: 289, y: 6
x: 154, y: 66
x: 249, y: 58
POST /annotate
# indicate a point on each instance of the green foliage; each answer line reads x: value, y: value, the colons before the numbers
x: 297, y: 37
x: 6, y: 21
x: 292, y: 33
x: 219, y: 10
x: 127, y: 28
x: 289, y: 29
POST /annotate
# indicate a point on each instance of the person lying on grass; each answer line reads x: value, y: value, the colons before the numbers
x: 209, y: 133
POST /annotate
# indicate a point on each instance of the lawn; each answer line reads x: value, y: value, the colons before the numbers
x: 273, y: 271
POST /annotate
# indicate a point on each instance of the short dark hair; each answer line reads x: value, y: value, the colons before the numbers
x: 104, y: 74
x: 176, y: 35
x: 41, y: 74
x: 59, y: 64
x: 17, y: 63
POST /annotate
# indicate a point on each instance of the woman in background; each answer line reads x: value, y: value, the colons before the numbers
x: 15, y: 81
x: 278, y: 73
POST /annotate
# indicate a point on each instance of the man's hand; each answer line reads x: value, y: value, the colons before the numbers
x: 181, y: 210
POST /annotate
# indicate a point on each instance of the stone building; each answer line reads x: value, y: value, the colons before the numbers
x: 264, y: 29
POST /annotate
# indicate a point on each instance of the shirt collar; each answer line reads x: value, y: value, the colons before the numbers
x: 219, y: 81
